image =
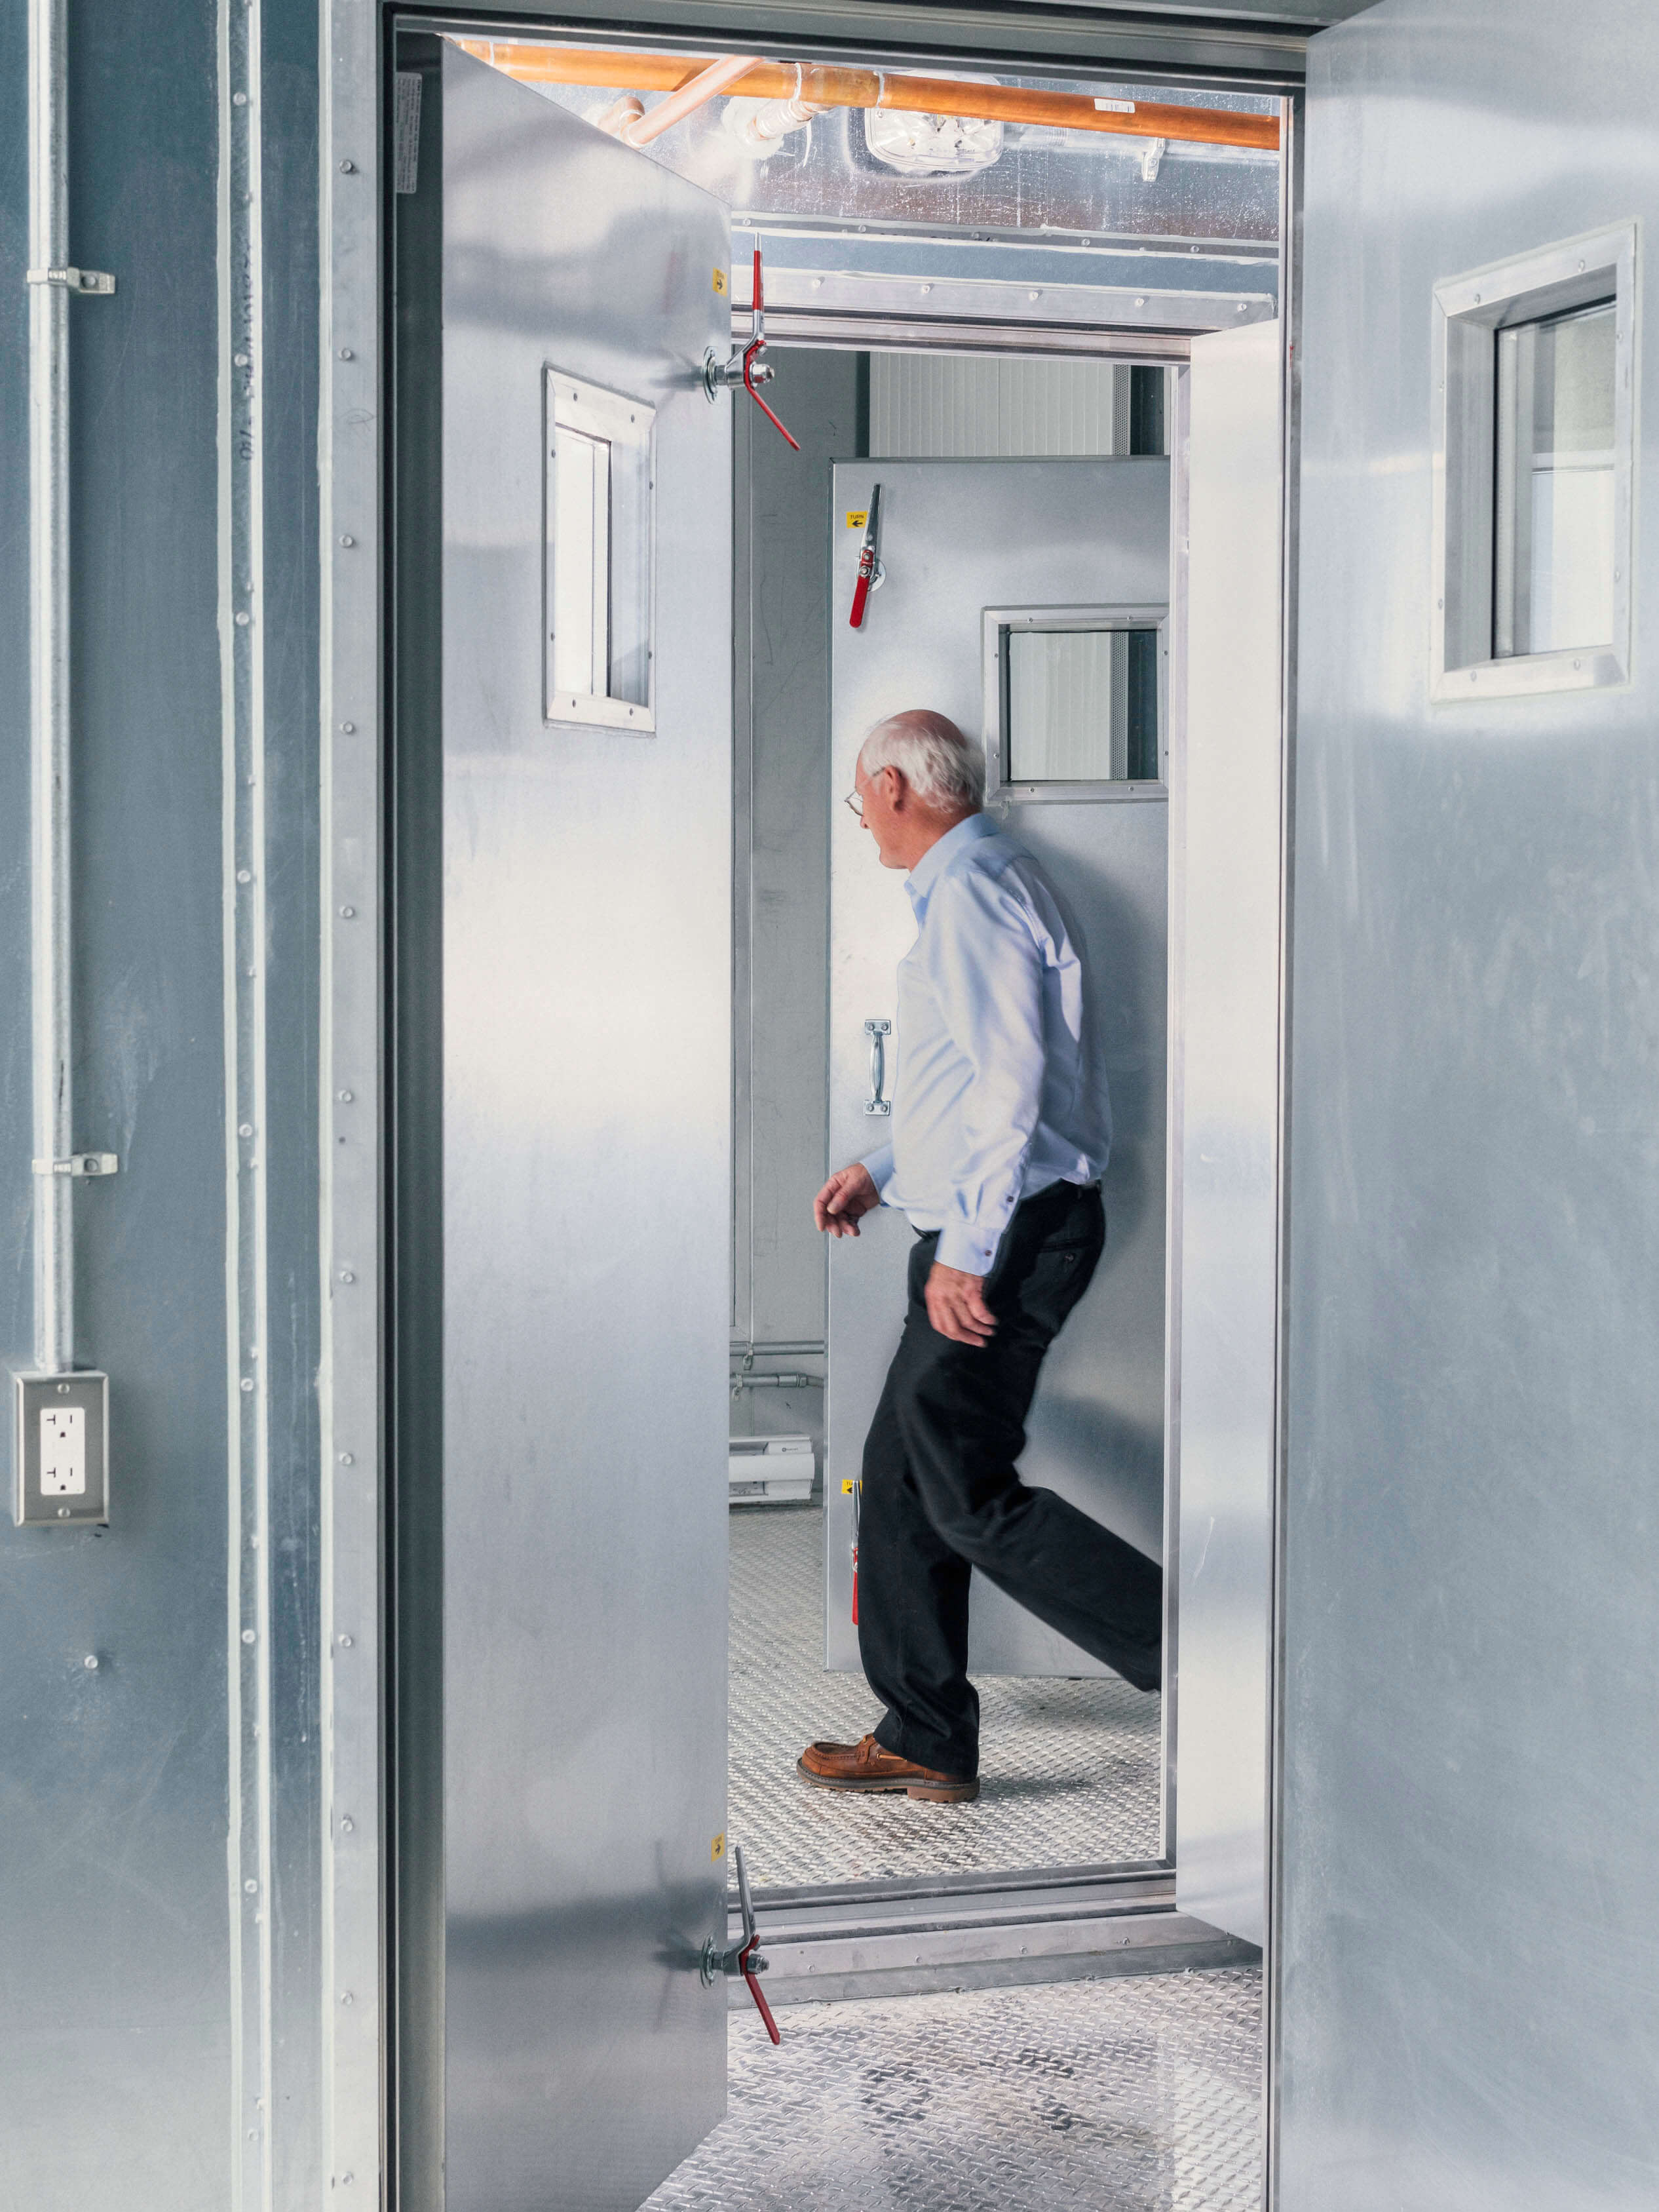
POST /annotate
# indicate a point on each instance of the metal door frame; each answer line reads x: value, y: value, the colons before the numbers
x: 356, y: 1197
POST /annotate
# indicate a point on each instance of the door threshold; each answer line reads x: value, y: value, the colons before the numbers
x: 820, y: 1952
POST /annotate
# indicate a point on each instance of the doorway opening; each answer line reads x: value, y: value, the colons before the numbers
x: 980, y: 327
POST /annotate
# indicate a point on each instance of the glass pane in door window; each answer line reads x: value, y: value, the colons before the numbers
x: 1080, y: 706
x: 1553, y: 578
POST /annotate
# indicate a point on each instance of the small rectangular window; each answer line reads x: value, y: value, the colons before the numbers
x: 1072, y: 700
x: 1532, y: 474
x: 597, y: 593
x: 1552, y: 558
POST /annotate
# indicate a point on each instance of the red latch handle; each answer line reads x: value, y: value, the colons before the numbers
x: 755, y: 1989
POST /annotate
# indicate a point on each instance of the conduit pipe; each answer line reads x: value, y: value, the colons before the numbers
x: 827, y: 86
x: 705, y: 86
x: 50, y: 284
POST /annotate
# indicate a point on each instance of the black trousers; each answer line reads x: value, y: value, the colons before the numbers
x: 942, y: 1495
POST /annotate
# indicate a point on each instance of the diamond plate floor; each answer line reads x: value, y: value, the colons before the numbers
x: 1069, y: 1771
x: 1140, y: 2095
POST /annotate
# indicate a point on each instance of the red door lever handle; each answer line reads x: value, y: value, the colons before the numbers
x: 743, y: 1958
x: 755, y: 1989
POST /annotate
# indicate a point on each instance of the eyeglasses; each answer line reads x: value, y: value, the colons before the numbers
x: 853, y: 800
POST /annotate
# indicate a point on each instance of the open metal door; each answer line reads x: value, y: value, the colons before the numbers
x: 1467, y: 1954
x: 1228, y: 863
x: 586, y: 746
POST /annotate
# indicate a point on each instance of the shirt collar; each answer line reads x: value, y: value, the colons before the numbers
x: 938, y: 857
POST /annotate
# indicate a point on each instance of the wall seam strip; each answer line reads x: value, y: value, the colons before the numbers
x: 241, y: 646
x: 351, y: 1996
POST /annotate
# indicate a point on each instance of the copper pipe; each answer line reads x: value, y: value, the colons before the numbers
x: 878, y: 88
x: 703, y: 88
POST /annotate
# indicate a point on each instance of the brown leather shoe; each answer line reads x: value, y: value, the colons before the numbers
x: 865, y: 1766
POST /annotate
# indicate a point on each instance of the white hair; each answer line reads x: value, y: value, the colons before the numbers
x: 939, y: 763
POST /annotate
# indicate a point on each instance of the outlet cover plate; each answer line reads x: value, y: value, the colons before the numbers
x: 60, y: 1437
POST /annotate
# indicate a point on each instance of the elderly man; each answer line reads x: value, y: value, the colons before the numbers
x: 1000, y: 1136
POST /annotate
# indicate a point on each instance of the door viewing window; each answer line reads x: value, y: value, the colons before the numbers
x: 1072, y: 699
x: 1533, y: 473
x: 1554, y: 499
x: 598, y: 586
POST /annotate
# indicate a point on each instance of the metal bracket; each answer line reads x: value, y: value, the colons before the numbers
x: 90, y: 283
x: 80, y: 1163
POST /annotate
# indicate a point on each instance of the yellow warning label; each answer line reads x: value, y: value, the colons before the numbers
x: 846, y: 1489
x: 720, y: 281
x: 857, y: 517
x: 717, y: 1848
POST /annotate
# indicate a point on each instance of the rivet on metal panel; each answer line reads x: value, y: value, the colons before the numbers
x: 347, y: 539
x: 346, y: 354
x: 245, y: 875
x: 345, y: 1643
x: 245, y: 1129
x: 344, y: 1096
x: 251, y: 1886
x: 345, y: 1459
x: 348, y: 727
x: 348, y: 168
x: 247, y: 1384
x: 347, y: 1276
x: 347, y: 1826
x: 247, y: 1636
x: 239, y: 100
x: 243, y: 620
x: 90, y: 1663
x: 347, y: 913
x: 346, y: 1997
x: 240, y: 358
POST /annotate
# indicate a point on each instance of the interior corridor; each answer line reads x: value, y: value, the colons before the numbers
x: 1069, y: 1771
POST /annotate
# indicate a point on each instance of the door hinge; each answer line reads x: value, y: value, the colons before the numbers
x: 80, y: 1164
x: 84, y: 281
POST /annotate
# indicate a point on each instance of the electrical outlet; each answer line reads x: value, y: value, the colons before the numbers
x: 61, y: 1442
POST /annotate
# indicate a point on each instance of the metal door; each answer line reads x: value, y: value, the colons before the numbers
x: 1468, y: 1952
x: 1227, y: 846
x: 586, y: 1040
x: 959, y: 538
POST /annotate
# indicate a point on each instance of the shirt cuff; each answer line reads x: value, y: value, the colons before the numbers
x: 963, y: 1245
x: 878, y: 1166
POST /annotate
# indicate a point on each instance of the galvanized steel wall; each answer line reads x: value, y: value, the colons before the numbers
x: 158, y: 1921
x: 1467, y: 1953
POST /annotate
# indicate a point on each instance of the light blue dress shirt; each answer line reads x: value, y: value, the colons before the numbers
x: 996, y: 1097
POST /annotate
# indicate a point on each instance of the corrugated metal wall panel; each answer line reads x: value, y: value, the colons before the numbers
x: 927, y: 406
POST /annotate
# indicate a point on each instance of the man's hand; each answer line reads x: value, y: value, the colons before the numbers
x: 848, y: 1192
x: 957, y: 1307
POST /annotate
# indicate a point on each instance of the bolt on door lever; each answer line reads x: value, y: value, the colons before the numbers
x: 746, y: 367
x: 743, y: 1958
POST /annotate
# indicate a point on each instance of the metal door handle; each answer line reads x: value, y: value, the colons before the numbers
x: 743, y: 1957
x: 877, y: 1032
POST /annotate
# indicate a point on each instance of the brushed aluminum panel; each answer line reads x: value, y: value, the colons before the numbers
x: 958, y: 536
x: 115, y: 1920
x: 1467, y: 1953
x: 586, y: 1033
x: 1229, y: 991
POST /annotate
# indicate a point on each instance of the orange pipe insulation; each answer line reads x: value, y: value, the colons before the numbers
x: 852, y: 88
